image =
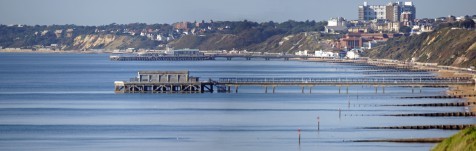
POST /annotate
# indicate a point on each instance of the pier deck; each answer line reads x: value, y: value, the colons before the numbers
x: 167, y: 84
x: 410, y: 81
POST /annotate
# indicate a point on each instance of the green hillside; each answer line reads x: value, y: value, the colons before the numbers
x: 465, y: 140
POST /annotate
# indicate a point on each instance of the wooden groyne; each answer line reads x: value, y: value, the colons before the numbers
x: 438, y: 97
x: 405, y: 140
x: 443, y: 127
x: 462, y: 114
x: 437, y: 104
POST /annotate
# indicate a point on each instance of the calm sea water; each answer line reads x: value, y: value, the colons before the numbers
x: 66, y: 102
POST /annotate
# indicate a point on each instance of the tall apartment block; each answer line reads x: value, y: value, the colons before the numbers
x: 392, y: 11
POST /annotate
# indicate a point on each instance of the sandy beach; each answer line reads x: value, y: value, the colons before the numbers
x: 46, y: 51
x: 460, y: 90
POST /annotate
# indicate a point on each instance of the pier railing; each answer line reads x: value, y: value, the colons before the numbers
x: 382, y: 81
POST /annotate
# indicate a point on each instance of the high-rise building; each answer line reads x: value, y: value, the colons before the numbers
x: 391, y: 11
x: 410, y: 8
x: 371, y: 12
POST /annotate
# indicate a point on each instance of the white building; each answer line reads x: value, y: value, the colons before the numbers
x: 352, y: 54
x: 301, y: 53
x: 339, y: 21
x: 336, y: 25
x: 159, y: 37
x: 325, y: 54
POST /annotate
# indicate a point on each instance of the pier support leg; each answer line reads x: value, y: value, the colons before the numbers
x: 347, y: 90
x: 310, y: 90
x: 383, y: 89
x: 413, y: 89
x: 266, y: 89
x: 376, y: 89
x: 228, y: 89
x: 274, y: 88
x: 420, y: 88
x: 339, y: 89
x: 236, y: 89
x: 302, y: 89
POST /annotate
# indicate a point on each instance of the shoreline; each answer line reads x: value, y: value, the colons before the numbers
x: 52, y: 51
x: 460, y: 90
x: 443, y: 73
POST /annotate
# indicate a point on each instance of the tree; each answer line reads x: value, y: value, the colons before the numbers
x: 405, y: 29
x: 468, y: 23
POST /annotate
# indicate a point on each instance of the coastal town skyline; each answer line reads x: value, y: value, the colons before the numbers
x: 122, y: 12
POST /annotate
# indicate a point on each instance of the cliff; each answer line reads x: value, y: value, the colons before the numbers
x: 109, y: 41
x: 452, y: 47
x: 213, y: 35
x: 277, y: 43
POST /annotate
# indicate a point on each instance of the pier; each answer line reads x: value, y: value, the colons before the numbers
x: 198, y: 57
x: 181, y: 82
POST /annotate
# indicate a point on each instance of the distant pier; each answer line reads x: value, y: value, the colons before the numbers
x: 195, y: 55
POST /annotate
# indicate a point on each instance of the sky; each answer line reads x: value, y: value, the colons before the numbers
x: 103, y: 12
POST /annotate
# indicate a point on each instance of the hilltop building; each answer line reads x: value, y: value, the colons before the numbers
x: 69, y: 32
x: 394, y: 12
x: 357, y: 40
x: 336, y: 25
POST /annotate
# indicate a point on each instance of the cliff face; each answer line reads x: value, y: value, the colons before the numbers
x: 109, y: 42
x: 452, y: 47
x: 209, y: 42
x: 290, y: 43
x: 276, y: 43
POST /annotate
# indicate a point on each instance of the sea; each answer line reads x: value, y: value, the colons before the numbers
x: 58, y: 102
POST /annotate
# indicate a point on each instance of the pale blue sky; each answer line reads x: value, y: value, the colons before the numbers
x: 100, y: 12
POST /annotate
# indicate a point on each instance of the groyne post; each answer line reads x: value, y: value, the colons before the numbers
x: 299, y: 136
x: 318, y: 123
x: 339, y: 113
x: 474, y: 78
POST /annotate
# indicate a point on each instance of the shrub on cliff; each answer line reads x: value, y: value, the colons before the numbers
x: 465, y: 140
